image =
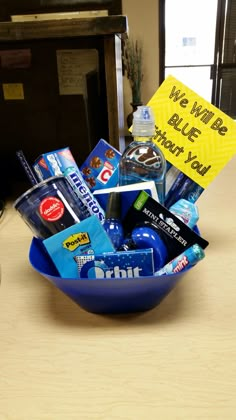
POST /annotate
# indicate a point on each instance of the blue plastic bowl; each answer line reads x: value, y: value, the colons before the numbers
x: 106, y: 296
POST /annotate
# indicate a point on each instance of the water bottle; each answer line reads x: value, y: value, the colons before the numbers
x: 142, y: 160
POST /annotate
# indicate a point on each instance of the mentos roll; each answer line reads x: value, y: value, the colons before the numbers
x: 88, y: 204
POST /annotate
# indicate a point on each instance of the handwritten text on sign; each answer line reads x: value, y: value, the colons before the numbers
x: 194, y: 135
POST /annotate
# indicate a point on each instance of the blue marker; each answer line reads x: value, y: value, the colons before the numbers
x: 191, y: 256
x: 174, y: 189
x: 183, y: 187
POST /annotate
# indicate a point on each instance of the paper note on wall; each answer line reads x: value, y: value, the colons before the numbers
x: 72, y: 66
x: 194, y: 135
x: 15, y: 59
x: 13, y: 91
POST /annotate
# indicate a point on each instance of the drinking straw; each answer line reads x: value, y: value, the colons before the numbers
x: 25, y: 165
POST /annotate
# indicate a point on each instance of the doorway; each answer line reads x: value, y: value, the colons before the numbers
x: 198, y: 47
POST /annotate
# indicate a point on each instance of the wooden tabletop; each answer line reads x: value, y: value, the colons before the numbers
x: 177, y: 361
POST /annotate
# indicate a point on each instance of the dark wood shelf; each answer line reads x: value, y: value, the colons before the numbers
x: 78, y: 27
x: 43, y: 118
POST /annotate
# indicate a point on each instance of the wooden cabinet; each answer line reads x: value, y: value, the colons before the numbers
x: 61, y: 85
x: 23, y: 7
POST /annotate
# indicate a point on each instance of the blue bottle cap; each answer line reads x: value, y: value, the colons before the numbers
x: 143, y: 122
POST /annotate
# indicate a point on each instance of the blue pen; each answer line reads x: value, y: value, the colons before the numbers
x: 190, y: 256
x: 174, y: 188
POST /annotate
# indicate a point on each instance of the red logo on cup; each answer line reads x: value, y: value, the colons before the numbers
x: 51, y: 209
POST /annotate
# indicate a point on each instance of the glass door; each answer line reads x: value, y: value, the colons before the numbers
x: 225, y: 91
x: 189, y: 43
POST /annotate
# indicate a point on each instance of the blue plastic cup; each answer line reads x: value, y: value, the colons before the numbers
x: 49, y: 207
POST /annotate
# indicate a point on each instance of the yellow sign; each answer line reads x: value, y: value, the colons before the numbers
x: 13, y: 91
x: 75, y: 240
x: 193, y: 134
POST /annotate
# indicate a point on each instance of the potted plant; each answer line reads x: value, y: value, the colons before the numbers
x: 133, y: 69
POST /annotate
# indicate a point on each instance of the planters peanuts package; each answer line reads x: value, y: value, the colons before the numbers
x: 86, y: 238
x: 100, y: 169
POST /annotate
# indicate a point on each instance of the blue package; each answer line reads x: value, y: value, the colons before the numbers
x: 100, y: 169
x: 121, y: 264
x: 86, y: 238
x: 54, y: 163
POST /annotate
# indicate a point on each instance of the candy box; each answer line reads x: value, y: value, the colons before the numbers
x: 100, y: 169
x: 54, y: 163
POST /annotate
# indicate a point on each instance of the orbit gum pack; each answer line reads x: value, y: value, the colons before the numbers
x: 100, y: 169
x: 123, y: 264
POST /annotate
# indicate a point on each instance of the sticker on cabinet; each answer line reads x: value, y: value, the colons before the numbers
x: 13, y: 91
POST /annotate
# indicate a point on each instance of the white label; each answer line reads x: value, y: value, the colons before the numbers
x: 72, y: 66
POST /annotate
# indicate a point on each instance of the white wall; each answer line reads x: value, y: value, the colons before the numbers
x: 143, y: 24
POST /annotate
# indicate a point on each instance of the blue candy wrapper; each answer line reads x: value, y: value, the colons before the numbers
x: 191, y: 256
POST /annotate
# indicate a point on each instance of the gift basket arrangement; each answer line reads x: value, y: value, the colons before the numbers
x: 117, y: 233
